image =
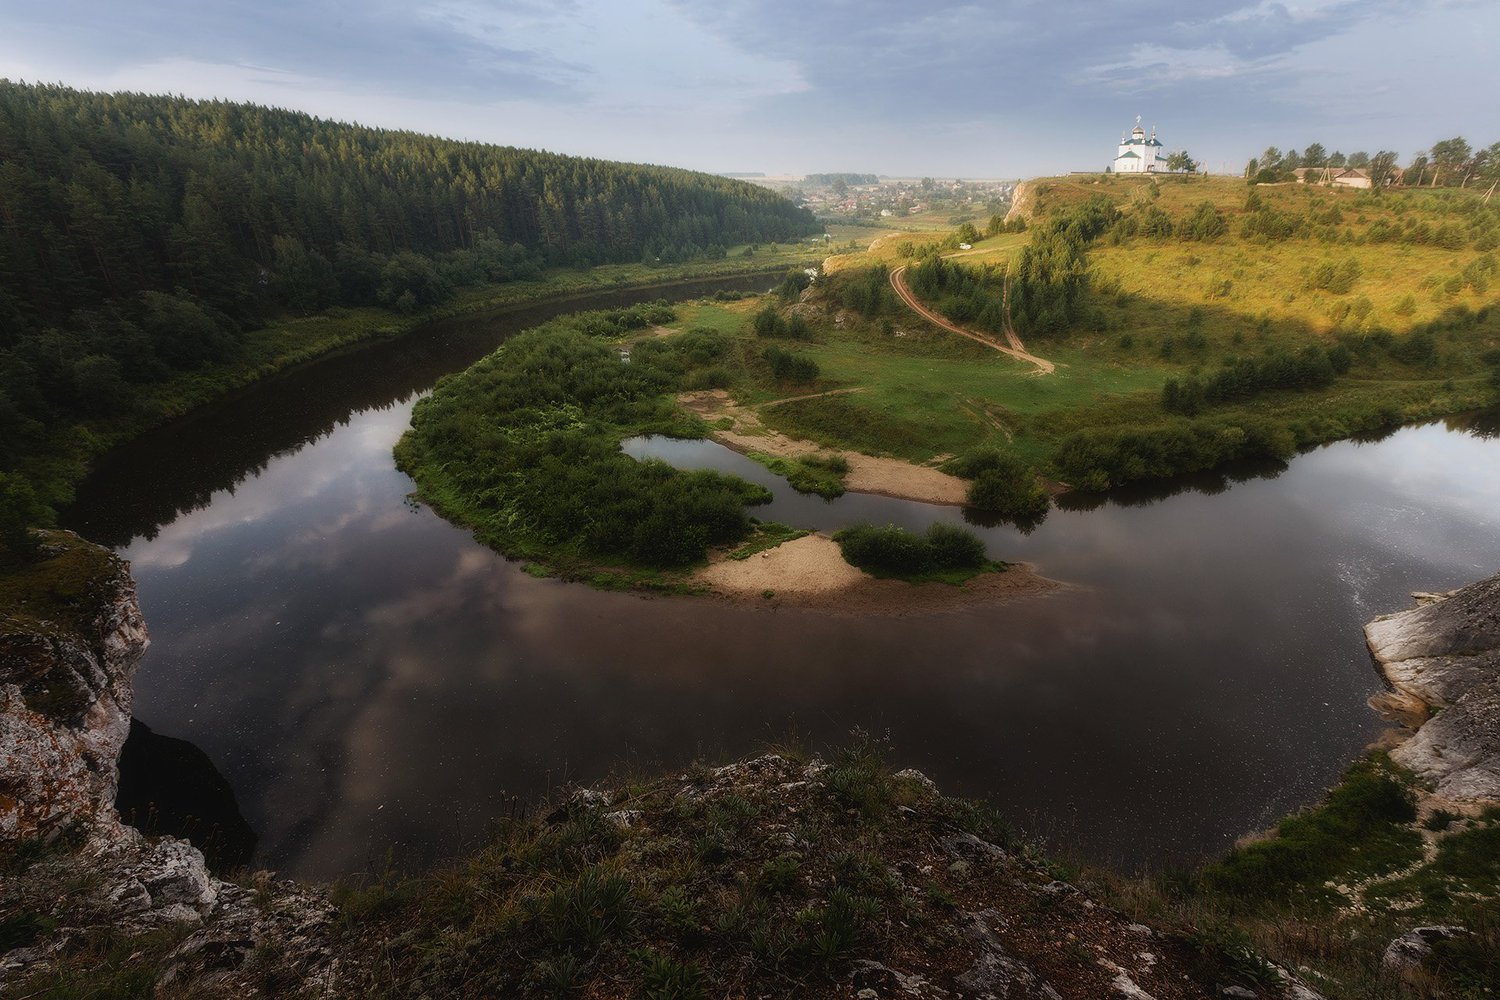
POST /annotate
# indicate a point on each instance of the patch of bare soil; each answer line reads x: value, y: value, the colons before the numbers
x: 810, y: 572
x: 889, y: 477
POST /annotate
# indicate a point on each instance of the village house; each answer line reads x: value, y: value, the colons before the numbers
x: 1333, y: 176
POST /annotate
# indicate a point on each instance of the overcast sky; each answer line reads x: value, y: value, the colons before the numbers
x: 983, y: 89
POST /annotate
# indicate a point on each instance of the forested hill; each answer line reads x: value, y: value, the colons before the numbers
x: 142, y: 236
x: 246, y: 208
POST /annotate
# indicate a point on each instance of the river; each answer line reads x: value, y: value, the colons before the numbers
x: 374, y: 684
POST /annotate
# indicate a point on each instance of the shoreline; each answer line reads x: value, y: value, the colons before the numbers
x: 184, y: 396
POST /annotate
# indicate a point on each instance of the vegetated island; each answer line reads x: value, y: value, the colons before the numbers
x: 525, y: 448
x: 786, y: 875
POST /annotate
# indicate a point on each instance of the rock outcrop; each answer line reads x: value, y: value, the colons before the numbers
x: 71, y: 638
x: 65, y: 694
x: 1444, y: 655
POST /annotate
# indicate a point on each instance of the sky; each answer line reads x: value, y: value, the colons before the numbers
x: 1011, y: 88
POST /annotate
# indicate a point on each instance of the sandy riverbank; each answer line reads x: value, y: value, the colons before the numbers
x: 889, y: 477
x: 810, y: 572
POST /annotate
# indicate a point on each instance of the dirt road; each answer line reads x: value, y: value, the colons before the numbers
x: 1014, y: 348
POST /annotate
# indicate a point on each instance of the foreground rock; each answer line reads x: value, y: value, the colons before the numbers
x: 73, y: 876
x: 775, y: 877
x: 1444, y: 656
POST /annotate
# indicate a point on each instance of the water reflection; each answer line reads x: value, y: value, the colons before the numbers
x: 366, y: 676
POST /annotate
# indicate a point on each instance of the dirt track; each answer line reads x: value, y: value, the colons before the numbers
x: 1015, y: 348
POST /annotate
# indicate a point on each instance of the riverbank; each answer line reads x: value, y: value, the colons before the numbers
x: 1178, y: 353
x: 294, y: 343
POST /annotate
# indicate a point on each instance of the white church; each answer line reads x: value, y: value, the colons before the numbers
x: 1138, y: 154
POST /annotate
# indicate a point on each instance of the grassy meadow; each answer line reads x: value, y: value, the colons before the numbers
x: 1413, y: 319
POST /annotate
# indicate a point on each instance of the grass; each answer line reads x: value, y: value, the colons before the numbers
x: 1363, y: 829
x: 61, y: 593
x: 766, y: 536
x: 822, y: 475
x: 721, y: 882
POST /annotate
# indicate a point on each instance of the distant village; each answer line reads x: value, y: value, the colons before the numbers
x: 871, y: 198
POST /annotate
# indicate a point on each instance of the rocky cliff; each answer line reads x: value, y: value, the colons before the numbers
x: 1443, y: 657
x: 71, y: 637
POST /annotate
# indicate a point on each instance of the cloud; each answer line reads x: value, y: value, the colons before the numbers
x: 977, y: 88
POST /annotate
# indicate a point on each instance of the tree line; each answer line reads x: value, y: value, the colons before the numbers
x: 1449, y: 163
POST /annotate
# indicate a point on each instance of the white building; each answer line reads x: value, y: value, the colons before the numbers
x: 1139, y: 154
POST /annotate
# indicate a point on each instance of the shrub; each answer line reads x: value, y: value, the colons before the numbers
x: 1205, y: 224
x: 789, y: 367
x: 893, y: 551
x: 1361, y: 827
x: 1002, y: 483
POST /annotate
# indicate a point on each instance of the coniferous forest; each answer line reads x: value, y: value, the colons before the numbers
x: 140, y: 236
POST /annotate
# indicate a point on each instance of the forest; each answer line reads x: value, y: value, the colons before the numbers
x: 141, y: 236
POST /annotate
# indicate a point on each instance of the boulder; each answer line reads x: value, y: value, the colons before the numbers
x: 1406, y: 953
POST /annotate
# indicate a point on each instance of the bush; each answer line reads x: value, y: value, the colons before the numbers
x: 768, y: 323
x: 789, y: 367
x: 1205, y: 224
x: 1097, y: 459
x: 893, y: 551
x: 1002, y: 483
x: 1245, y: 378
x: 1361, y: 827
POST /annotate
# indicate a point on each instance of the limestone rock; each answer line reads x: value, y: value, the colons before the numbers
x: 65, y: 697
x: 1407, y: 952
x: 1442, y: 649
x: 1446, y: 654
x: 996, y: 974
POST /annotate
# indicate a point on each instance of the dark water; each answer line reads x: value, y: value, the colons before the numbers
x: 367, y: 677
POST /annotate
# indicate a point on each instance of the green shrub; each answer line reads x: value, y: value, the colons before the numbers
x: 789, y: 367
x: 893, y: 551
x: 1002, y: 483
x: 20, y: 510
